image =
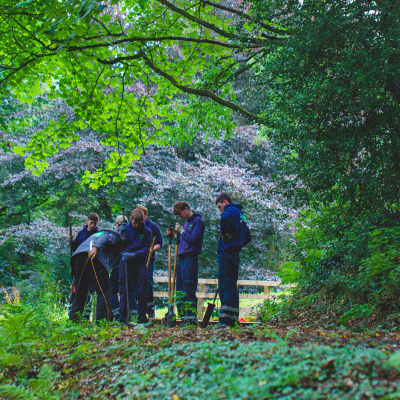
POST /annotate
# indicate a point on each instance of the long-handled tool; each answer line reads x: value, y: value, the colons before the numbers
x: 209, y: 311
x: 171, y: 317
x: 151, y: 252
x: 175, y: 261
x: 126, y: 278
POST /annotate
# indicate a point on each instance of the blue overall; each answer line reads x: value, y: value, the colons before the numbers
x: 139, y: 243
x: 155, y: 231
x: 187, y: 269
x: 234, y: 223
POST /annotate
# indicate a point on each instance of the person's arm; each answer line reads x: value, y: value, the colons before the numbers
x: 107, y: 238
x: 75, y: 244
x: 247, y: 240
x: 147, y: 240
x: 227, y: 224
x: 197, y: 233
x: 159, y: 240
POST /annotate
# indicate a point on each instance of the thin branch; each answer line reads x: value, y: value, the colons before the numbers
x: 244, y: 15
x: 205, y: 93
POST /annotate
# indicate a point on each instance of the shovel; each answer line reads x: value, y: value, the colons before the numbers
x: 170, y: 317
x: 208, y: 313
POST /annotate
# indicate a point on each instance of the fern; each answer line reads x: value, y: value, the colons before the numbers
x: 36, y: 389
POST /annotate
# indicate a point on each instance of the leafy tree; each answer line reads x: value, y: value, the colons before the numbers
x: 332, y: 98
x: 123, y: 67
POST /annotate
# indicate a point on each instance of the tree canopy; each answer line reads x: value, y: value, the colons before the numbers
x: 123, y: 69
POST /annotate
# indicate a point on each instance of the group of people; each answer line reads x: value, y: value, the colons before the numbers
x: 110, y: 262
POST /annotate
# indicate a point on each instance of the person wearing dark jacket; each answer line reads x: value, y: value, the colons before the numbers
x: 114, y: 278
x: 88, y: 230
x: 155, y: 232
x: 92, y: 261
x: 235, y: 234
x: 138, y: 245
x: 190, y: 246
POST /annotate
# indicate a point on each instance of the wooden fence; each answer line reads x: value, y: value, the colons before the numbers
x: 201, y: 294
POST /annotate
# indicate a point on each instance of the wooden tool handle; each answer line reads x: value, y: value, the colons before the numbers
x: 151, y: 252
x: 175, y: 261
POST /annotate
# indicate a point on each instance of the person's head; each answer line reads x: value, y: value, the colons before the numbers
x: 144, y: 209
x: 92, y: 221
x: 182, y: 210
x: 119, y: 220
x: 222, y: 200
x: 137, y: 217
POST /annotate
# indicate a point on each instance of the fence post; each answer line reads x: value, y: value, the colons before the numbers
x: 200, y: 301
x: 267, y: 291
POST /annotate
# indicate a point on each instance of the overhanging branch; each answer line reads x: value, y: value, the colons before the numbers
x: 204, y: 93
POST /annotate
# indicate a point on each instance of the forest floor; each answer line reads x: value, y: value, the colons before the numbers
x: 252, y: 362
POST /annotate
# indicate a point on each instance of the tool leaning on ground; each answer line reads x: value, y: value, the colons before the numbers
x: 209, y: 311
x: 126, y: 277
x: 170, y: 317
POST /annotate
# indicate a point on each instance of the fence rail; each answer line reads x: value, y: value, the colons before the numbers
x: 201, y: 294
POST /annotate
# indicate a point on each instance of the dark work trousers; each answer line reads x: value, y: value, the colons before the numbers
x: 114, y: 278
x: 186, y: 281
x: 88, y: 305
x: 85, y: 275
x: 228, y: 271
x: 150, y: 294
x: 137, y: 274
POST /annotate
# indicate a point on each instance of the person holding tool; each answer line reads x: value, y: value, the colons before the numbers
x: 92, y: 261
x: 155, y: 231
x: 88, y: 230
x: 235, y: 234
x: 190, y: 246
x: 114, y: 277
x: 139, y: 240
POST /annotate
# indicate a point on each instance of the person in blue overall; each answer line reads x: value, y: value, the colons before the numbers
x: 114, y: 278
x: 155, y: 232
x: 190, y: 246
x: 88, y: 230
x: 235, y: 234
x: 139, y: 240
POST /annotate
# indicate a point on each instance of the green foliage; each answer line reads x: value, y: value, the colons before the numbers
x: 333, y: 102
x: 125, y: 70
x: 37, y: 388
x: 234, y: 370
x: 106, y: 363
x: 347, y: 273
